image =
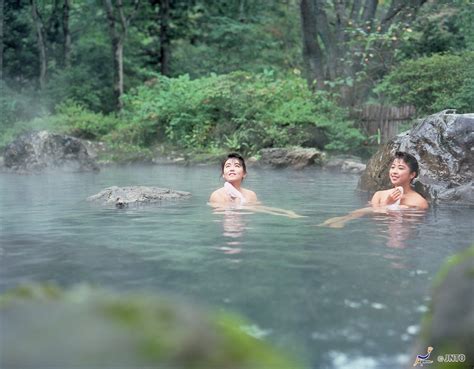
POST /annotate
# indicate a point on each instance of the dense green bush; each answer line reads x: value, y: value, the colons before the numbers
x: 74, y: 119
x: 237, y: 111
x: 433, y: 83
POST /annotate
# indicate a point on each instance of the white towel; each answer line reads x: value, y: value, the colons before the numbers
x: 396, y: 204
x: 234, y: 193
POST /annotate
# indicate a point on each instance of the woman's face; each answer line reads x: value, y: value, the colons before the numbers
x: 400, y: 173
x: 233, y: 171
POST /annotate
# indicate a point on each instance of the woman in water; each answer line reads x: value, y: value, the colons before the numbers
x: 233, y: 171
x: 403, y: 170
x: 233, y: 195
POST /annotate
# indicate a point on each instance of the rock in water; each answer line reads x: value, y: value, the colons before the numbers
x: 297, y: 158
x: 443, y: 145
x: 39, y: 151
x: 345, y: 164
x: 135, y: 195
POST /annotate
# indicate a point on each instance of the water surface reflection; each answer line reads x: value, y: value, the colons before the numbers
x: 334, y: 297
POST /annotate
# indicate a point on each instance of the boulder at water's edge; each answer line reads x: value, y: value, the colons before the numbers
x: 297, y: 158
x: 40, y: 151
x: 443, y: 144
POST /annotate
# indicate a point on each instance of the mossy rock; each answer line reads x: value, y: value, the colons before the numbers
x: 45, y: 327
x: 448, y: 327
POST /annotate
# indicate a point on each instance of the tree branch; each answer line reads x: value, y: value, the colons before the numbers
x: 395, y: 8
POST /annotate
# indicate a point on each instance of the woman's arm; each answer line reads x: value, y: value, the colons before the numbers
x: 258, y: 208
x: 375, y: 199
x: 339, y: 222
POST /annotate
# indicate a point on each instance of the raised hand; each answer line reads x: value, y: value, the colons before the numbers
x: 394, y: 195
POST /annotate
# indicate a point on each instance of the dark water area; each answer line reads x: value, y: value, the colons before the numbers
x: 334, y: 298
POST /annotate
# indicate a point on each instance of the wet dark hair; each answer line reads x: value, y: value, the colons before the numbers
x: 410, y: 160
x: 234, y: 155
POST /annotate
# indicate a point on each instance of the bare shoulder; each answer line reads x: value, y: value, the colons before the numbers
x: 249, y: 195
x: 217, y: 196
x: 378, y: 197
x: 418, y: 201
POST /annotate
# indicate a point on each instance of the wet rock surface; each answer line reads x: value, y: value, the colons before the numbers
x: 136, y: 195
x: 443, y: 144
x: 40, y: 151
x: 345, y: 164
x: 295, y: 158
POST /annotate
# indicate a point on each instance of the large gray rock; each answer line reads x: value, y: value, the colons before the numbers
x: 345, y: 164
x: 136, y: 195
x: 39, y: 151
x: 449, y: 324
x: 443, y: 144
x: 287, y: 157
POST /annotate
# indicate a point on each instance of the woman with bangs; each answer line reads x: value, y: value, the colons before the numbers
x: 403, y: 170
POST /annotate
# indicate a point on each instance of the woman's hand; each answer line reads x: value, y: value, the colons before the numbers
x: 393, y: 196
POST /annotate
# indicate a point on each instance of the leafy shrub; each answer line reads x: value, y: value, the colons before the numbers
x: 78, y: 121
x: 433, y: 83
x: 70, y: 118
x: 239, y: 111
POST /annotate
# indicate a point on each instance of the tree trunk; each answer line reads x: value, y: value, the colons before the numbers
x: 327, y: 38
x: 117, y: 54
x: 354, y: 16
x: 368, y: 15
x: 66, y: 34
x: 2, y: 6
x: 312, y: 54
x: 118, y: 75
x: 54, y: 23
x: 165, y: 44
x: 118, y: 39
x: 41, y: 43
x: 242, y: 10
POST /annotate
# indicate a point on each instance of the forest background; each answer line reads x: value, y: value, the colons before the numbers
x: 202, y: 76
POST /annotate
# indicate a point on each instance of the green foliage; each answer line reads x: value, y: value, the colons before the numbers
x: 209, y: 106
x: 442, y: 27
x: 78, y: 121
x: 433, y: 83
x: 71, y: 118
x: 239, y: 111
x: 86, y: 80
x: 20, y: 52
x: 222, y: 40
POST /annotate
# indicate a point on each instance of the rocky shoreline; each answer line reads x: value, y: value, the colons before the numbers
x: 32, y: 153
x: 442, y: 144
